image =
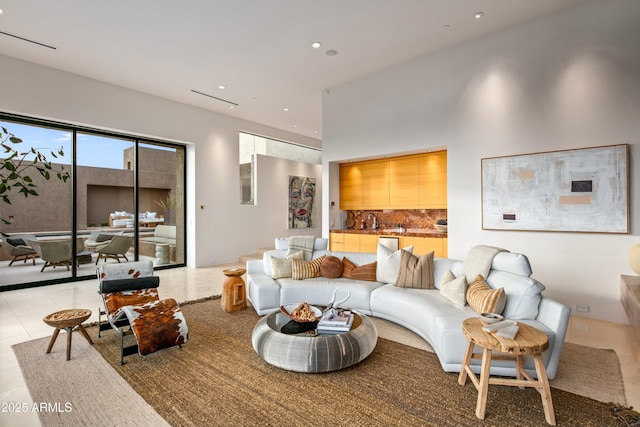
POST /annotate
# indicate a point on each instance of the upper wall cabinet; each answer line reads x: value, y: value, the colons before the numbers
x: 407, y: 182
x: 351, y: 186
x: 433, y: 181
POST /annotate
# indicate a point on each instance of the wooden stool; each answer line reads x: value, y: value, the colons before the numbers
x: 528, y: 341
x: 68, y: 320
x: 234, y: 294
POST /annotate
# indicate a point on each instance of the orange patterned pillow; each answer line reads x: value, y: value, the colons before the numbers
x: 365, y: 272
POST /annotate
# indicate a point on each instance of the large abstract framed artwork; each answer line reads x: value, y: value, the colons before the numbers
x: 581, y: 190
x: 302, y: 196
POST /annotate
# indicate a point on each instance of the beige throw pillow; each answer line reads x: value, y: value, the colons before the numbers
x: 301, y: 269
x: 388, y: 265
x: 454, y: 289
x: 416, y: 271
x: 281, y: 267
x: 483, y: 299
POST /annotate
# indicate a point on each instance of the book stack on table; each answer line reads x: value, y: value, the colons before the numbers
x: 336, y: 323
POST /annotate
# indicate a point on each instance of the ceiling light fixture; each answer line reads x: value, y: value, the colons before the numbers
x: 478, y: 15
x: 285, y: 109
x: 316, y: 45
x: 222, y: 87
x: 331, y: 52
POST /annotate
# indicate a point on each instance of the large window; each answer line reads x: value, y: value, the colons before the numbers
x: 123, y: 200
x: 250, y: 146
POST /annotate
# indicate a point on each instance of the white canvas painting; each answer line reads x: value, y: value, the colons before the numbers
x: 582, y: 190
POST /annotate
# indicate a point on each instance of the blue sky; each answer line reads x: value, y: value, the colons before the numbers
x: 93, y: 150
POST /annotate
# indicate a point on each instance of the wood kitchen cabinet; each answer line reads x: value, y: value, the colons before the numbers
x: 375, y: 184
x: 408, y: 182
x: 404, y: 182
x: 351, y: 186
x: 354, y: 242
x: 433, y: 181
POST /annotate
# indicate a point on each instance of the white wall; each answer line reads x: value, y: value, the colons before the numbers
x: 569, y: 80
x: 221, y: 231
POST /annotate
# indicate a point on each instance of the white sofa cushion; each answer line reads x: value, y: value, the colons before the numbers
x: 319, y: 243
x: 523, y: 294
x: 512, y: 262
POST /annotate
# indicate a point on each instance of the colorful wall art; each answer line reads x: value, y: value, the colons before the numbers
x: 581, y: 190
x: 302, y: 195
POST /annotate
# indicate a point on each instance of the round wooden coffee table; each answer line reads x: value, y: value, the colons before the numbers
x: 68, y: 320
x: 528, y: 341
x: 282, y: 342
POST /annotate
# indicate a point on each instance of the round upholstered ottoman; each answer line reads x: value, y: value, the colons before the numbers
x: 278, y: 342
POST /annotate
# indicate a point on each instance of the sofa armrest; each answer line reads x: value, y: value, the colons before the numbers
x: 255, y: 266
x: 556, y: 316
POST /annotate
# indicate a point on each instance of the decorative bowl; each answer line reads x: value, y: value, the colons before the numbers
x: 489, y: 318
x: 289, y: 310
x: 441, y: 228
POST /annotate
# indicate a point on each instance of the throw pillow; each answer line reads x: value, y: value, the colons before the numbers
x: 389, y: 263
x: 483, y: 299
x: 281, y: 267
x: 331, y: 267
x: 16, y: 242
x: 454, y: 289
x: 365, y: 272
x: 301, y: 269
x: 347, y: 268
x: 415, y: 271
x: 104, y: 237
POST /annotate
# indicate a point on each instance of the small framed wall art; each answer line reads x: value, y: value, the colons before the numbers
x: 580, y: 190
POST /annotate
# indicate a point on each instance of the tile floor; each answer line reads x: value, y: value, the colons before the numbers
x: 21, y: 314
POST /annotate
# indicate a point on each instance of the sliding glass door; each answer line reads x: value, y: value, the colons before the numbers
x: 108, y: 198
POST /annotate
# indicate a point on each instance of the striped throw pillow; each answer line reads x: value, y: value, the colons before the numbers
x: 365, y: 272
x: 347, y: 268
x: 305, y: 269
x: 416, y: 271
x: 483, y: 299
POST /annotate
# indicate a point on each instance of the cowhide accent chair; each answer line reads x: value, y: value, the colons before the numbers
x: 130, y: 295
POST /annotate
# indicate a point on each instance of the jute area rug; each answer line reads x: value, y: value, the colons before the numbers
x: 218, y: 379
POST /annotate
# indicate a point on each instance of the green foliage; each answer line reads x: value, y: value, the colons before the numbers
x: 14, y: 168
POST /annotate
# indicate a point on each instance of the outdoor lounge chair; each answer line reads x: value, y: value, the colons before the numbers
x: 116, y: 248
x: 18, y: 248
x: 130, y: 295
x: 55, y: 252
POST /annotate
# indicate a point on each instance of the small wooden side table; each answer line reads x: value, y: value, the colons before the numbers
x: 529, y: 341
x: 234, y: 293
x: 68, y: 320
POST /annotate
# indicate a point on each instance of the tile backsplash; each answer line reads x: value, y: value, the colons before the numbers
x: 390, y: 218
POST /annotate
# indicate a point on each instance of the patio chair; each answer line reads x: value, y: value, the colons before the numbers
x: 55, y: 252
x: 18, y: 248
x: 130, y: 295
x: 116, y: 248
x: 99, y: 239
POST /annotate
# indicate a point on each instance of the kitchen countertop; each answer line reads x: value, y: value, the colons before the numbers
x: 413, y: 232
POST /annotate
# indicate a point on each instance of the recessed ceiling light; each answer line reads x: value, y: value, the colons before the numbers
x: 223, y: 87
x: 478, y: 15
x: 316, y: 45
x: 331, y: 52
x: 446, y: 26
x: 285, y: 109
x: 232, y: 106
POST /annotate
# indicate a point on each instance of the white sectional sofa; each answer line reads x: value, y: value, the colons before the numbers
x: 423, y: 311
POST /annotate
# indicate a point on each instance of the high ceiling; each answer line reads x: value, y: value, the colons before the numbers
x: 260, y: 50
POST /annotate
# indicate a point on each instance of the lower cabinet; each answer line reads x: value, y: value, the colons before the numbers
x: 352, y: 242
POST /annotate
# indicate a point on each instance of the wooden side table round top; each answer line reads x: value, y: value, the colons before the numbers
x: 68, y: 320
x: 528, y: 341
x: 234, y: 292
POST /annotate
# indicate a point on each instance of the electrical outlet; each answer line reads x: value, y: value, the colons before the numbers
x: 581, y: 308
